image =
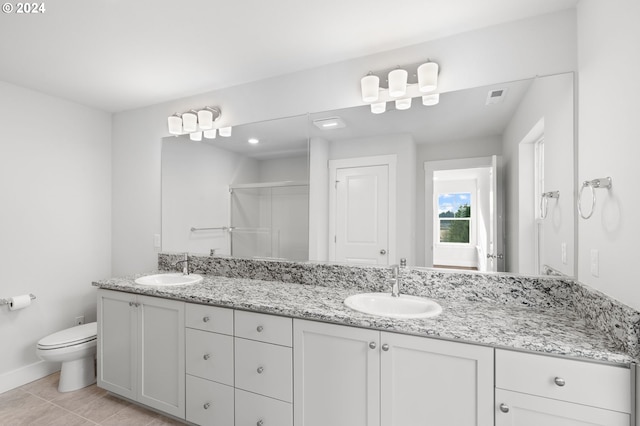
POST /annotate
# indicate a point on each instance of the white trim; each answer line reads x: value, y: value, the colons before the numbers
x: 376, y: 160
x: 27, y: 374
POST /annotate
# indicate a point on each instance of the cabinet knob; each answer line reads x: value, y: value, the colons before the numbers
x: 385, y: 347
x: 559, y: 381
x: 259, y: 330
x: 383, y: 251
x: 206, y: 319
x: 260, y: 423
x: 504, y: 408
x: 130, y: 303
x: 206, y: 406
x: 206, y: 356
x: 372, y: 345
x: 260, y: 370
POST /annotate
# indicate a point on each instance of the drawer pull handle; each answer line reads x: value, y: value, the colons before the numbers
x: 372, y: 345
x: 559, y: 381
x: 206, y: 356
x: 260, y: 423
x: 385, y: 347
x: 259, y: 330
x: 260, y: 370
x: 504, y: 408
x: 206, y: 406
x: 206, y: 319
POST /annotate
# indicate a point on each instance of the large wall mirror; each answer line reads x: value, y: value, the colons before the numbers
x: 483, y: 180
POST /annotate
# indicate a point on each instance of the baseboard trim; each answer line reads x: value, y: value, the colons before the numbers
x: 27, y: 374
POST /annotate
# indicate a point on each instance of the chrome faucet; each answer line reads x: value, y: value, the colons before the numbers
x: 395, y: 281
x: 185, y: 264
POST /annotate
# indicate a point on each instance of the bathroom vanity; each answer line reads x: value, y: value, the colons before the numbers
x: 233, y: 350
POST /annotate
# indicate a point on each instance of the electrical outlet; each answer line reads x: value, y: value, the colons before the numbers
x: 595, y: 263
x: 79, y: 320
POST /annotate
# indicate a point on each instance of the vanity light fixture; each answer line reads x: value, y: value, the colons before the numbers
x: 224, y: 131
x: 404, y: 103
x: 430, y: 100
x: 175, y: 124
x: 369, y: 86
x: 378, y: 107
x: 210, y: 134
x: 402, y: 86
x: 398, y: 82
x: 190, y: 121
x: 196, y: 123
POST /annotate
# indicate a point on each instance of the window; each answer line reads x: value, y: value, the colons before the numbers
x: 454, y: 216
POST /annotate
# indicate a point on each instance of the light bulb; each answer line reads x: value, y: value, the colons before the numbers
x: 430, y: 100
x: 428, y: 77
x: 190, y: 121
x: 398, y: 83
x: 210, y: 134
x: 205, y: 119
x: 379, y: 108
x: 225, y: 131
x: 402, y: 104
x: 196, y: 136
x: 175, y: 124
x: 369, y: 86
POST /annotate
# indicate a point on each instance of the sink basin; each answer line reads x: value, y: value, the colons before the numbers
x: 169, y: 279
x: 383, y: 304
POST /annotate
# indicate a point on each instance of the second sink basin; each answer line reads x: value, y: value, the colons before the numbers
x: 169, y: 279
x: 383, y: 304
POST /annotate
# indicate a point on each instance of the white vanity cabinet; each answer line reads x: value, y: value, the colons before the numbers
x: 141, y: 349
x: 263, y: 370
x: 209, y: 365
x: 533, y: 390
x: 358, y: 377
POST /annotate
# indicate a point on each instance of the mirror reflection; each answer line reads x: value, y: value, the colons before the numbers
x: 459, y: 184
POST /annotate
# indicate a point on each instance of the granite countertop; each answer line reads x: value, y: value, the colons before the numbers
x: 549, y: 331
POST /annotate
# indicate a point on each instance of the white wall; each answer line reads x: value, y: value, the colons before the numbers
x: 609, y: 60
x: 513, y: 51
x: 195, y: 193
x: 549, y: 100
x: 55, y: 186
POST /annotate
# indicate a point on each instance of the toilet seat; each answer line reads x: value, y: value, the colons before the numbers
x: 73, y: 336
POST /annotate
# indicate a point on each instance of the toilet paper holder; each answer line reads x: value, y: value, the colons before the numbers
x: 8, y: 301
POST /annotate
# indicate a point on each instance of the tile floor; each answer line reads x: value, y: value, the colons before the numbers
x: 40, y: 403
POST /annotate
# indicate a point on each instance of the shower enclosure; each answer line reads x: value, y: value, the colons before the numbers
x: 270, y: 220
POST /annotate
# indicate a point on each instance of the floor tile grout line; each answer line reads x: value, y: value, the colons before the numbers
x: 69, y: 411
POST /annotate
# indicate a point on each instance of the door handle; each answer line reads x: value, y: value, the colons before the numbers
x: 383, y: 251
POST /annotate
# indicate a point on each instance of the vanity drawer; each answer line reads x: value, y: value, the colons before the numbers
x: 597, y: 385
x: 209, y: 403
x: 251, y: 409
x: 263, y: 327
x: 209, y: 318
x: 209, y: 355
x: 264, y: 368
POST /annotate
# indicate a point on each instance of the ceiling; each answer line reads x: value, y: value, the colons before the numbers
x: 117, y: 55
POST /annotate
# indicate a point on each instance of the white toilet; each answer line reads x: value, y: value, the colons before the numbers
x: 75, y: 347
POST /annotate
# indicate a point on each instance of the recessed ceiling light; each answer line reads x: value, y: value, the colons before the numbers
x: 253, y: 141
x: 329, y: 123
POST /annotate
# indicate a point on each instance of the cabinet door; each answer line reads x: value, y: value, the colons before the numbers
x: 336, y: 375
x: 117, y: 343
x: 448, y: 383
x: 161, y: 354
x: 519, y: 409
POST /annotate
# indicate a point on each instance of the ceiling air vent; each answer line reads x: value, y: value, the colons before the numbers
x: 496, y: 96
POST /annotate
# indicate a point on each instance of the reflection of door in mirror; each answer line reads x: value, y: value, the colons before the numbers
x: 462, y: 212
x: 361, y: 206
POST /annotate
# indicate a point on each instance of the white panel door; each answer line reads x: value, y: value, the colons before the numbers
x: 448, y: 383
x: 336, y: 375
x: 362, y: 215
x: 161, y: 367
x: 519, y: 409
x: 117, y: 343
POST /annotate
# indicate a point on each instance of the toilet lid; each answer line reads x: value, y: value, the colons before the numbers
x: 71, y: 336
